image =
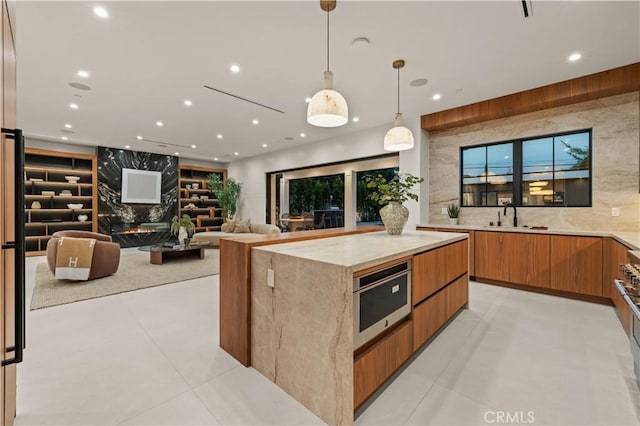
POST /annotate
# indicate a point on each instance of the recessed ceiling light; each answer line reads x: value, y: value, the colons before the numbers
x: 264, y: 145
x: 68, y: 126
x: 127, y: 146
x: 73, y: 106
x: 101, y: 12
x: 254, y: 121
x: 193, y: 146
x: 302, y: 135
x: 361, y: 42
x: 159, y: 123
x: 176, y: 153
x: 419, y: 82
x: 235, y: 68
x: 307, y: 99
x: 139, y: 138
x: 64, y: 138
x: 355, y: 119
x: 219, y: 136
x: 574, y: 57
x: 215, y: 158
x: 188, y: 103
x: 436, y: 97
x: 236, y: 153
x: 83, y: 74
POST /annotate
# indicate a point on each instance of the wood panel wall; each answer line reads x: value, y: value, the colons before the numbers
x: 607, y: 83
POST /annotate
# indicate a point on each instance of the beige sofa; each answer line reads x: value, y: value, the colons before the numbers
x: 213, y: 237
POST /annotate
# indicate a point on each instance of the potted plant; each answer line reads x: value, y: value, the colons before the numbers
x: 183, y: 228
x: 226, y: 192
x: 391, y: 193
x: 453, y: 210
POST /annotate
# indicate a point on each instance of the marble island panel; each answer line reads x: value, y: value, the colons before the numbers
x: 302, y: 326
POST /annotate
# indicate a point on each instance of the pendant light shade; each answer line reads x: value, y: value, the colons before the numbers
x: 398, y: 138
x: 328, y: 108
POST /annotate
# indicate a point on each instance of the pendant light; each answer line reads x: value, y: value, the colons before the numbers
x: 328, y: 107
x: 399, y: 138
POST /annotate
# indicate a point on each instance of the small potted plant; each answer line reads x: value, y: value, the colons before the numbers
x: 391, y: 193
x: 453, y: 210
x: 183, y: 228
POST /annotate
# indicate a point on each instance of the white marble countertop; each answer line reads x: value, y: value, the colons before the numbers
x: 630, y: 239
x: 360, y: 251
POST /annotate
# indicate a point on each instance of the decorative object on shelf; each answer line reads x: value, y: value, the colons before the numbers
x: 190, y: 206
x: 195, y: 186
x: 48, y: 193
x: 188, y: 186
x: 183, y: 228
x: 204, y: 197
x: 65, y: 192
x: 72, y: 179
x: 453, y: 211
x: 328, y: 108
x: 35, y: 179
x: 83, y: 217
x: 195, y: 196
x: 393, y: 193
x: 398, y: 138
x: 73, y: 206
x: 226, y: 192
x: 36, y: 205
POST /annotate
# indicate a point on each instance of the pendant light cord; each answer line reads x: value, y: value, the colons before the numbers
x: 398, y: 90
x: 328, y: 39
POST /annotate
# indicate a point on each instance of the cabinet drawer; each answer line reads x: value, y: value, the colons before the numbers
x: 432, y: 270
x: 434, y: 312
x: 380, y: 361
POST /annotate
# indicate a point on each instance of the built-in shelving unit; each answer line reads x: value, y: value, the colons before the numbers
x: 196, y: 200
x: 48, y: 192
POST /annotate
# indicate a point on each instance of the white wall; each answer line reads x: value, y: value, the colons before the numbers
x: 361, y: 144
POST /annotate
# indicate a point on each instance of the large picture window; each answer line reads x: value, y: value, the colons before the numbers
x: 545, y: 171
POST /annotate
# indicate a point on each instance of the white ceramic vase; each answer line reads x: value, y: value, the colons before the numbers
x: 453, y: 220
x: 394, y: 216
x: 182, y: 234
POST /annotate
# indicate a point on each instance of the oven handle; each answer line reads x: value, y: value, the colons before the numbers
x: 374, y: 284
x: 632, y: 305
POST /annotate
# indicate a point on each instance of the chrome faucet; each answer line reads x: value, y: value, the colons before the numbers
x: 515, y: 213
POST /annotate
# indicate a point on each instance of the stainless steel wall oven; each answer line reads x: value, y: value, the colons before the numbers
x: 380, y: 299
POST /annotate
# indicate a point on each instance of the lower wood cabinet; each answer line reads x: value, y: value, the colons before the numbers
x: 378, y: 363
x: 434, y: 312
x: 614, y: 255
x: 576, y: 264
x: 517, y: 258
x: 434, y: 269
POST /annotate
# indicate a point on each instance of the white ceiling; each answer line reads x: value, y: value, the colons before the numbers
x: 148, y: 57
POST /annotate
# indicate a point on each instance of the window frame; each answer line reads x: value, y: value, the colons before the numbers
x: 518, y: 168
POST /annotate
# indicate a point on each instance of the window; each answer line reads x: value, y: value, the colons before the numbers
x: 547, y: 171
x: 368, y: 211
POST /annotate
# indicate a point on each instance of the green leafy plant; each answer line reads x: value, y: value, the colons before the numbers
x: 395, y: 189
x: 227, y: 193
x: 453, y: 211
x: 185, y: 222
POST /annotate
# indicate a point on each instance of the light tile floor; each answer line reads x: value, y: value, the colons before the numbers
x: 151, y: 357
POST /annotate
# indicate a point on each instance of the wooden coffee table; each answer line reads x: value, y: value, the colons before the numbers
x: 160, y: 254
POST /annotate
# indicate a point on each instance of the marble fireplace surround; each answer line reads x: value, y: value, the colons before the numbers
x: 132, y: 224
x: 616, y: 162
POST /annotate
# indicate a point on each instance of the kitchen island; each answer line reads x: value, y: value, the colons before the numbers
x: 303, y: 313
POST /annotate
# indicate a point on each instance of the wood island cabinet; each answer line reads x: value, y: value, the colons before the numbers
x: 434, y: 269
x: 576, y: 264
x: 516, y: 258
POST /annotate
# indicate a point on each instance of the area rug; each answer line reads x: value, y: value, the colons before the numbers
x: 135, y: 272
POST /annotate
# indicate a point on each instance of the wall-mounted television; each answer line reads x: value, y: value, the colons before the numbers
x: 141, y: 186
